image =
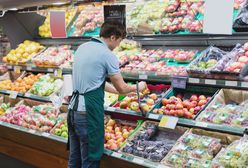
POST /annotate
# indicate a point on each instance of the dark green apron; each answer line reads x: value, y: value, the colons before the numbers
x: 94, y: 101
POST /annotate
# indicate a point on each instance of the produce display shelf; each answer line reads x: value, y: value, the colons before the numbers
x: 33, y: 68
x: 118, y: 155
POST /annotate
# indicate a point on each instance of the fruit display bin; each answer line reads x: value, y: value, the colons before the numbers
x: 228, y: 108
x: 198, y: 148
x: 185, y: 103
x: 117, y: 131
x: 152, y: 143
x: 151, y: 96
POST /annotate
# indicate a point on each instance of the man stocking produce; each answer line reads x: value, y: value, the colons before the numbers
x: 93, y: 62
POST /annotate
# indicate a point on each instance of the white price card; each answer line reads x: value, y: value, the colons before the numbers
x: 27, y: 95
x: 110, y: 108
x: 201, y: 124
x: 168, y: 122
x: 45, y: 134
x: 9, y: 67
x: 194, y: 80
x: 29, y: 68
x: 31, y: 131
x: 115, y: 154
x: 153, y: 116
x: 13, y: 94
x: 138, y: 161
x: 231, y: 83
x: 244, y: 84
x: 50, y: 70
x: 218, y: 21
x: 58, y: 73
x: 210, y: 82
x: 144, y: 77
x: 68, y: 85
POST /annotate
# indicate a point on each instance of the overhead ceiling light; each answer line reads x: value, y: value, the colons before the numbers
x: 59, y: 3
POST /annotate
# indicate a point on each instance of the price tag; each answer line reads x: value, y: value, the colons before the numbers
x: 144, y: 77
x: 31, y: 131
x: 168, y: 122
x: 153, y: 116
x: 58, y: 73
x: 201, y: 124
x: 9, y: 67
x: 162, y: 166
x: 13, y: 94
x: 27, y: 95
x: 231, y: 83
x: 115, y: 154
x: 137, y: 160
x: 115, y: 13
x: 179, y: 82
x: 110, y: 108
x: 194, y: 80
x: 45, y: 134
x: 244, y: 84
x: 29, y: 68
x: 17, y: 69
x: 210, y: 82
x: 50, y: 70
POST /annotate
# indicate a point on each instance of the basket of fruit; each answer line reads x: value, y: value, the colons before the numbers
x: 186, y: 103
x: 150, y: 142
x: 201, y: 66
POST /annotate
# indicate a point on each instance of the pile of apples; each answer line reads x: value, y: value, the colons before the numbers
x: 179, y: 55
x: 177, y: 106
x: 172, y: 70
x: 53, y: 56
x: 23, y: 53
x: 131, y: 102
x: 116, y: 134
x: 61, y: 130
x: 241, y: 61
x: 88, y: 20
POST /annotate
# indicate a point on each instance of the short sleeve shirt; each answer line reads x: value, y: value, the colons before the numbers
x: 93, y: 62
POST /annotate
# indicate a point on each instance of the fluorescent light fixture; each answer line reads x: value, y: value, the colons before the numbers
x: 13, y: 9
x: 59, y: 3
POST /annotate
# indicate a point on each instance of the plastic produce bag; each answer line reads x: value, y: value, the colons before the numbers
x: 234, y: 156
x: 208, y: 59
x: 242, y: 18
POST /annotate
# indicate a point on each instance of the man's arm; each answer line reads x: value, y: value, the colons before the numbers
x: 122, y: 87
x: 110, y: 88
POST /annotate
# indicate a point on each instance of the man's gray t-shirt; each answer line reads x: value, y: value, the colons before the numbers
x: 93, y: 62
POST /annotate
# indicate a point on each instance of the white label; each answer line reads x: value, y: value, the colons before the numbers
x: 9, y: 67
x: 139, y: 161
x: 27, y: 95
x: 110, y: 108
x: 231, y: 83
x: 218, y: 21
x: 194, y: 80
x: 31, y: 131
x: 168, y: 122
x: 153, y: 116
x: 210, y: 82
x: 29, y: 68
x: 50, y: 70
x: 13, y: 94
x: 244, y: 84
x: 201, y: 124
x: 45, y: 134
x: 143, y: 77
x: 115, y: 154
x: 162, y: 166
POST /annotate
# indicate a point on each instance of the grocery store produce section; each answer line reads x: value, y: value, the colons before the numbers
x: 198, y: 81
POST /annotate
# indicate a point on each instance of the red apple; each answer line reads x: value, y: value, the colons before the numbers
x: 179, y: 106
x: 153, y: 96
x: 194, y: 104
x: 192, y: 110
x: 193, y: 98
x: 202, y: 102
x: 202, y: 97
x: 165, y: 102
x: 150, y: 102
x: 197, y: 108
x: 123, y: 104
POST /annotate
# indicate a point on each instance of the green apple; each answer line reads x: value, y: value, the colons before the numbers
x: 64, y: 134
x: 64, y: 129
x: 58, y: 131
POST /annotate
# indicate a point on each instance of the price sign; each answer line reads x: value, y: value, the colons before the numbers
x: 115, y: 13
x: 153, y: 116
x: 115, y: 154
x: 13, y: 94
x: 143, y: 77
x: 45, y: 134
x: 201, y: 124
x: 138, y: 161
x: 17, y: 69
x: 31, y: 131
x: 110, y: 109
x: 179, y: 82
x: 58, y: 73
x: 168, y: 122
x: 57, y: 24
